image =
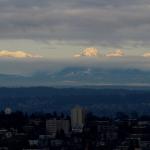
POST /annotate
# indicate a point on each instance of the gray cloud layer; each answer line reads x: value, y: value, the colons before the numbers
x: 104, y: 22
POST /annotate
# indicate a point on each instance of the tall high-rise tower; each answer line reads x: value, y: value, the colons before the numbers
x: 78, y: 115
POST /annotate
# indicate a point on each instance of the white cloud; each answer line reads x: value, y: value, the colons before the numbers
x: 147, y: 54
x: 17, y: 54
x: 116, y: 53
x: 77, y: 55
x: 88, y: 52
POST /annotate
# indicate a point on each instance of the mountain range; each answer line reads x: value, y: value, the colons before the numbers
x: 77, y: 76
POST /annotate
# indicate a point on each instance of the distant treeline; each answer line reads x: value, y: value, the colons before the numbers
x: 101, y: 101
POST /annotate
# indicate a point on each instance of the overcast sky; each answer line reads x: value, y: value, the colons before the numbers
x: 62, y: 29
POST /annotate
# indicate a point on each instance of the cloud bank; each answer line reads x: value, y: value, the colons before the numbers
x: 93, y: 52
x: 112, y: 23
x: 88, y: 52
x: 116, y: 53
x: 147, y: 54
x: 17, y: 54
